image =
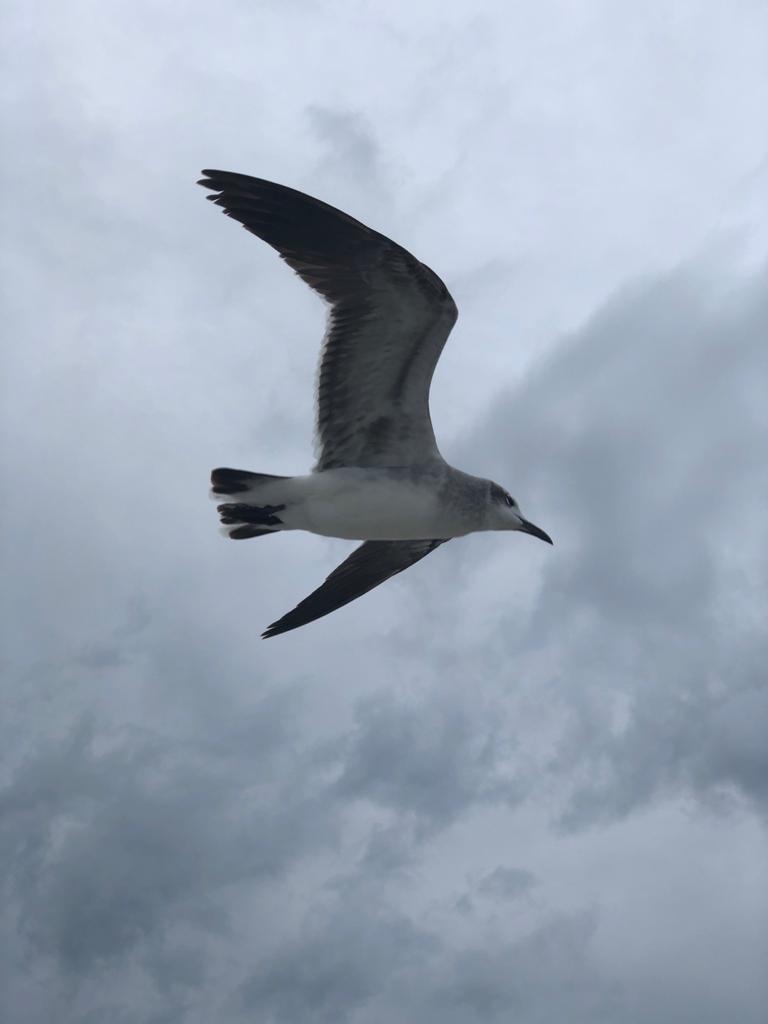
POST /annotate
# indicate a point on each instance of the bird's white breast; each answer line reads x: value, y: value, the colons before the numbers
x: 366, y: 504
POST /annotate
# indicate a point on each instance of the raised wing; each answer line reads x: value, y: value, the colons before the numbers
x: 389, y: 319
x: 367, y: 567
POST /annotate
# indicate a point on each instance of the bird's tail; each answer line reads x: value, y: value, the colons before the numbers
x: 240, y: 481
x: 257, y: 509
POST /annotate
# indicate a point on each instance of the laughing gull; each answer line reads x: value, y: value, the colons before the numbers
x: 379, y: 476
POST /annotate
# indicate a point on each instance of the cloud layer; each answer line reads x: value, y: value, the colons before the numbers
x: 515, y: 782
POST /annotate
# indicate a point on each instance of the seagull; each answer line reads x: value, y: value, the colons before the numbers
x: 379, y: 476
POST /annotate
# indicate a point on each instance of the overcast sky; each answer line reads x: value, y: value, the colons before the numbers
x: 517, y: 783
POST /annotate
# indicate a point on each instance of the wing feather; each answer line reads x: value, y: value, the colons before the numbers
x: 369, y: 565
x: 389, y: 319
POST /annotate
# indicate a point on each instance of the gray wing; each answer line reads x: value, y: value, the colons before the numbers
x: 389, y: 319
x: 367, y: 567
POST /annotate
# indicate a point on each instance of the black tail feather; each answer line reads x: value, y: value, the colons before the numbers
x: 259, y: 515
x: 246, y: 532
x: 235, y: 481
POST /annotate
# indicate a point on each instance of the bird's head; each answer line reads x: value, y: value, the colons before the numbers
x: 506, y: 515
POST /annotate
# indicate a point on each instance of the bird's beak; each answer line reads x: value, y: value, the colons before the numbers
x: 534, y: 531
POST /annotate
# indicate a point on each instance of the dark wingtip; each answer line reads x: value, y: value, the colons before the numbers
x: 273, y: 630
x: 282, y: 625
x: 213, y: 179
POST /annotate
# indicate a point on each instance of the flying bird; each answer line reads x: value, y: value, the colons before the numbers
x: 379, y: 476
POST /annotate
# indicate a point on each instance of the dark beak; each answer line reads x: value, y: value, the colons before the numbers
x: 535, y: 531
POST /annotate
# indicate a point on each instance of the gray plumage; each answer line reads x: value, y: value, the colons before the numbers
x: 379, y: 474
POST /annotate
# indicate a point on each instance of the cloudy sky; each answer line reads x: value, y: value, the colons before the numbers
x: 517, y: 783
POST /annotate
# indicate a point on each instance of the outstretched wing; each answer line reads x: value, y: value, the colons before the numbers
x: 389, y: 319
x: 367, y: 567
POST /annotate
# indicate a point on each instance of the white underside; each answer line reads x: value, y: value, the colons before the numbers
x: 359, y: 504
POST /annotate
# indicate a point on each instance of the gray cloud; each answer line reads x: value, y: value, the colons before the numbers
x: 338, y: 965
x: 514, y: 781
x: 628, y: 680
x: 349, y: 141
x: 373, y: 967
x: 647, y: 468
x: 104, y: 847
x: 506, y: 883
x: 428, y: 761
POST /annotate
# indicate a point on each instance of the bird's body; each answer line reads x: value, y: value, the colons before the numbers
x: 379, y: 476
x: 366, y: 503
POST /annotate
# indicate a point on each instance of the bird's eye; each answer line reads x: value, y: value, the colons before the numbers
x: 510, y: 500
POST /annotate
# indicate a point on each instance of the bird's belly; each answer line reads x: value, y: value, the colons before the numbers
x: 371, y: 509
